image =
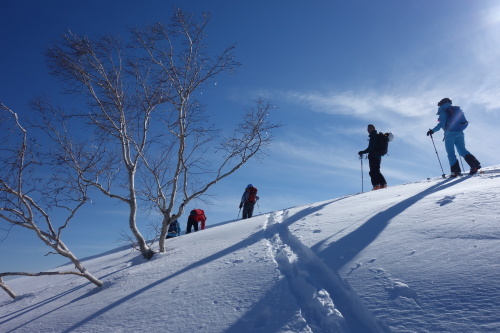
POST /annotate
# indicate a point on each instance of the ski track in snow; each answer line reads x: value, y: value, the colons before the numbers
x: 327, y: 302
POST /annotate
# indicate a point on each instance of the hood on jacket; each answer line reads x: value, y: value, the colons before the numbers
x: 443, y: 107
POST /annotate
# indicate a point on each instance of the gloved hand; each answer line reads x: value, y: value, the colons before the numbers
x: 241, y: 205
x: 360, y: 153
x: 430, y: 132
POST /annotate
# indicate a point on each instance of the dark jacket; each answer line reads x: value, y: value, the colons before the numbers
x: 372, y: 144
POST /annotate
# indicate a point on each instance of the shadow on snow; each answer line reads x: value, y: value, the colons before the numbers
x: 346, y: 248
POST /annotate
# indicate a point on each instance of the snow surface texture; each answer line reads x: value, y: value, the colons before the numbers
x: 420, y: 257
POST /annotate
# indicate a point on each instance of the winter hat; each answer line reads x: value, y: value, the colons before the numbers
x: 249, y: 185
x: 444, y: 100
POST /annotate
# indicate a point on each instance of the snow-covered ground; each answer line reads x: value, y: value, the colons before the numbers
x: 419, y: 257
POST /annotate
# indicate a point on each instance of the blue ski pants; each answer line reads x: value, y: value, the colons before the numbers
x: 454, y: 139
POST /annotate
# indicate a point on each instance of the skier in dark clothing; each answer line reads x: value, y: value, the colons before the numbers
x: 191, y: 223
x: 248, y: 200
x: 374, y: 159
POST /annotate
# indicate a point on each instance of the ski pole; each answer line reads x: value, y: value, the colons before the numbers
x: 238, y: 214
x: 443, y: 175
x: 462, y: 163
x: 362, y: 181
x: 257, y: 202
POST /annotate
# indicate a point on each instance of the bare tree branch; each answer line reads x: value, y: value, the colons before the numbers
x: 22, y: 200
x: 7, y: 289
x: 118, y: 116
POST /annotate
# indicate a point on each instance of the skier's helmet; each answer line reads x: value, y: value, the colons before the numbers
x: 444, y: 100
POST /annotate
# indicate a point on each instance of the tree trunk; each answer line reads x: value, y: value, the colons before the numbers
x: 163, y: 234
x: 146, y: 251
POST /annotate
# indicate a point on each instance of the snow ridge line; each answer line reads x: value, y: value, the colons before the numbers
x: 314, y: 284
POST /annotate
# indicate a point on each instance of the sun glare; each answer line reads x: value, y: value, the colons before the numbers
x: 492, y: 16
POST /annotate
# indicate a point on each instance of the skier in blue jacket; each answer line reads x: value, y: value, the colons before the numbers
x: 174, y: 230
x: 453, y: 139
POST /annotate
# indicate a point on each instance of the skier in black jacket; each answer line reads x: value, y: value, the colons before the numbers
x: 374, y: 159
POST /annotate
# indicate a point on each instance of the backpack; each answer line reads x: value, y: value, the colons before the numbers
x: 174, y: 228
x: 382, y: 144
x: 252, y: 194
x: 456, y: 119
x: 198, y: 215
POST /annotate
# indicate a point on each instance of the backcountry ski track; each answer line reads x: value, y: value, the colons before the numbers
x: 326, y: 301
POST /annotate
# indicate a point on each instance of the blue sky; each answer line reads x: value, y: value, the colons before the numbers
x: 331, y: 68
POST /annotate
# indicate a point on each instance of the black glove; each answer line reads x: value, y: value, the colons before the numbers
x: 241, y: 205
x: 360, y: 153
x: 430, y: 132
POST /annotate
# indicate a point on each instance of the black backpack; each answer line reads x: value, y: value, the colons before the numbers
x: 382, y: 144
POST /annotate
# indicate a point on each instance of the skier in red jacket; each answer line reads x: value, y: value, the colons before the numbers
x: 196, y: 216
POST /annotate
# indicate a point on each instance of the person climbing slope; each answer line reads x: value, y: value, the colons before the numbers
x: 248, y: 200
x: 452, y: 121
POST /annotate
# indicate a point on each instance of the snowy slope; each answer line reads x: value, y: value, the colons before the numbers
x: 420, y: 257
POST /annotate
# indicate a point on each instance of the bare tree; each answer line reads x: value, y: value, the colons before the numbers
x: 26, y: 198
x: 151, y: 137
x: 184, y: 171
